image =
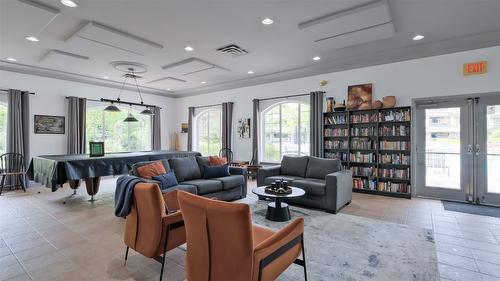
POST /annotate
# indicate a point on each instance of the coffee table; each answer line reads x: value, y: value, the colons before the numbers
x: 278, y: 210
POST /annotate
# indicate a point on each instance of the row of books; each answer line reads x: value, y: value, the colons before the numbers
x: 336, y: 132
x: 394, y: 187
x: 395, y: 158
x: 394, y: 173
x: 364, y: 183
x: 394, y: 131
x: 395, y: 115
x: 363, y: 157
x: 395, y: 145
x: 334, y: 120
x: 364, y: 118
x: 337, y: 155
x: 363, y: 131
x: 364, y: 171
x: 363, y: 144
x: 337, y: 144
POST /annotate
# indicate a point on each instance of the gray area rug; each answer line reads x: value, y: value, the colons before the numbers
x: 351, y: 248
x: 469, y: 208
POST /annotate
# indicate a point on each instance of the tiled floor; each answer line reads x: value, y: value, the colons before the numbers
x: 43, y: 238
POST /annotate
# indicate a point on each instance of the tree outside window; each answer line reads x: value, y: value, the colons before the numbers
x: 3, y: 128
x: 285, y: 130
x: 118, y: 136
x: 208, y: 134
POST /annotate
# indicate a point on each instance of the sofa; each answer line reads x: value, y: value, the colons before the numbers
x: 326, y: 186
x: 189, y: 174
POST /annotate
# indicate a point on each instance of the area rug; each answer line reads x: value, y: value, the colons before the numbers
x: 471, y: 208
x: 352, y: 248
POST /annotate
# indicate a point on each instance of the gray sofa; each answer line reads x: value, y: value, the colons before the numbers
x: 327, y: 187
x: 189, y: 174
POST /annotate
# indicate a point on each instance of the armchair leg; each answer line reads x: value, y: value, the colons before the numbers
x: 304, y: 258
x: 164, y: 253
x: 126, y: 256
x: 2, y: 184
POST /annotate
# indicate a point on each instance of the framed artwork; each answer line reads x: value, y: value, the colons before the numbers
x: 359, y: 96
x: 244, y: 128
x: 184, y: 127
x: 48, y: 124
x: 96, y: 148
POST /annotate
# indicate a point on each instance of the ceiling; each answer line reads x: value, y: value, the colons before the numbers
x: 80, y: 43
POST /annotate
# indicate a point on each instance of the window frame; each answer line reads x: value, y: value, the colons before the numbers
x: 196, y: 133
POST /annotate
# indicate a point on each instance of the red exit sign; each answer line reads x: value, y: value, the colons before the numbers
x: 473, y: 68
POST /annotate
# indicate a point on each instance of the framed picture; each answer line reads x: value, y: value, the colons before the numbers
x: 184, y: 127
x: 244, y: 128
x: 96, y: 148
x: 359, y: 96
x: 48, y: 124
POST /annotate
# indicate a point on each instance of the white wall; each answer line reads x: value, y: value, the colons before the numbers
x: 50, y: 99
x: 433, y: 76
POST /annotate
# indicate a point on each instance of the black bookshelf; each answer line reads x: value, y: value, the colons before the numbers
x: 376, y: 145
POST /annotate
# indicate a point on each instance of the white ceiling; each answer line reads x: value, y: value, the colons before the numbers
x: 79, y: 43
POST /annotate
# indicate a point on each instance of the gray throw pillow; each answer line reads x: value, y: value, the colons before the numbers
x: 318, y: 168
x: 294, y: 166
x: 186, y: 168
x: 202, y: 162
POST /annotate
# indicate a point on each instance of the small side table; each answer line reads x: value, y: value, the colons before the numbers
x: 278, y: 210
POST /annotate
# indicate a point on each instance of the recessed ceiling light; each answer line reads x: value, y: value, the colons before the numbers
x: 250, y: 72
x: 105, y: 77
x: 316, y: 58
x: 31, y: 38
x: 168, y: 89
x: 189, y: 49
x: 418, y: 37
x: 203, y: 82
x: 267, y: 21
x: 69, y: 3
x: 11, y: 59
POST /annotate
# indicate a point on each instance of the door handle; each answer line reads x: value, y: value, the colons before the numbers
x: 477, y: 149
x: 469, y: 149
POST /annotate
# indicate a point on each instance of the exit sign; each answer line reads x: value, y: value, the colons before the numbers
x: 474, y: 68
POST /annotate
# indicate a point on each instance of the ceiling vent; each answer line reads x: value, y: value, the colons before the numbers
x: 232, y: 50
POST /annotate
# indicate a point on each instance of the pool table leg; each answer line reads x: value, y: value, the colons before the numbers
x: 92, y: 185
x: 74, y: 184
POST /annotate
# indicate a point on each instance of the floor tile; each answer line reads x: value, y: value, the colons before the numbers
x: 489, y: 268
x: 457, y: 261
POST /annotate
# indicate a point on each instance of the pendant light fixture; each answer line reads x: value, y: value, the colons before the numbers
x: 130, y: 118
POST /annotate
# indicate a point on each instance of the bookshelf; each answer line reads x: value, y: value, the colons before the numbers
x: 375, y: 145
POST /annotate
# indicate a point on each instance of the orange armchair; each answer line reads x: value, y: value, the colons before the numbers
x: 224, y: 245
x: 149, y: 230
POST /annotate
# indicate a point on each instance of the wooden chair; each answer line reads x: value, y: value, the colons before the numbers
x: 12, y: 166
x: 149, y: 230
x: 226, y: 153
x: 224, y: 245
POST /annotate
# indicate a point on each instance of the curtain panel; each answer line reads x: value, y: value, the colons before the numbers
x: 227, y: 124
x: 18, y: 118
x: 190, y: 128
x: 255, y: 132
x: 156, y: 129
x: 316, y: 130
x: 77, y: 114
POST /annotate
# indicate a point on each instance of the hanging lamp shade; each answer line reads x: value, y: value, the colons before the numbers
x: 130, y: 118
x: 147, y: 111
x: 112, y: 108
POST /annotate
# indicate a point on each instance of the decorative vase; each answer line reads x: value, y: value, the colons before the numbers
x: 377, y: 104
x: 330, y: 103
x: 389, y: 101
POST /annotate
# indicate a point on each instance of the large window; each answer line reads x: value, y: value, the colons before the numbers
x: 3, y: 128
x: 118, y: 136
x: 285, y: 130
x: 208, y: 133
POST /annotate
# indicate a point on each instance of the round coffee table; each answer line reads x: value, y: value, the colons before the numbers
x: 278, y: 210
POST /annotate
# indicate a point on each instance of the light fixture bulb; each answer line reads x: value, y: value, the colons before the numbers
x: 316, y: 58
x: 203, y: 82
x: 69, y: 3
x: 11, y: 59
x: 267, y: 21
x: 31, y: 38
x: 189, y: 49
x: 250, y: 72
x: 105, y: 77
x: 418, y: 37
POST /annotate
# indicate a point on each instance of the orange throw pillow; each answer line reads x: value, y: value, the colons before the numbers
x: 217, y: 160
x: 154, y: 169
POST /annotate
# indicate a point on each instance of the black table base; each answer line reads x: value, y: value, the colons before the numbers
x: 278, y: 211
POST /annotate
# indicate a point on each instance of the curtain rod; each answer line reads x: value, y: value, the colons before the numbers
x: 209, y: 105
x: 6, y: 90
x: 120, y: 102
x: 283, y: 97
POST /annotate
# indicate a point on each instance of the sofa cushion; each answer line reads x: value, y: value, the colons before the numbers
x: 294, y: 166
x: 290, y: 179
x: 184, y: 187
x: 311, y: 186
x: 202, y: 162
x: 215, y: 171
x: 231, y: 181
x: 167, y: 180
x: 205, y: 186
x: 186, y: 168
x: 164, y: 162
x: 148, y: 171
x: 318, y: 168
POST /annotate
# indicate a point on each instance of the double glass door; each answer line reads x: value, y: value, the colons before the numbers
x: 458, y: 149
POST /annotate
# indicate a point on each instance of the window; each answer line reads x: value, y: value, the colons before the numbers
x: 3, y: 128
x: 208, y: 133
x: 118, y: 136
x: 285, y: 130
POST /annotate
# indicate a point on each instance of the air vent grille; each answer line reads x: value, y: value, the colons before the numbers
x: 232, y: 50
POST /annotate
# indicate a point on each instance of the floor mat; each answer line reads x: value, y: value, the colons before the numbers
x: 471, y: 209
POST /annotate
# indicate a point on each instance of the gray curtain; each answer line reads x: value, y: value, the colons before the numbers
x: 77, y: 112
x: 255, y: 133
x: 316, y: 130
x: 18, y: 118
x: 190, y: 128
x: 156, y: 129
x: 227, y: 124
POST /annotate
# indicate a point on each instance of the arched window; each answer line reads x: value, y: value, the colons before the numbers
x: 285, y: 130
x: 3, y: 128
x: 118, y: 136
x: 208, y: 132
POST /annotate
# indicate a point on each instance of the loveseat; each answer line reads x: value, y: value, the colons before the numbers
x: 327, y: 187
x: 189, y: 172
